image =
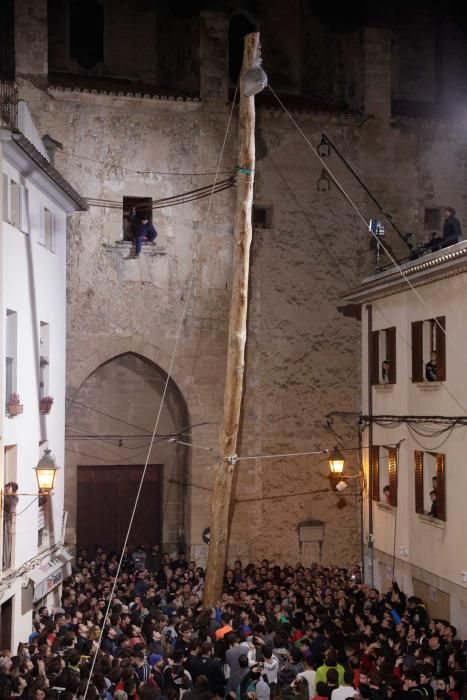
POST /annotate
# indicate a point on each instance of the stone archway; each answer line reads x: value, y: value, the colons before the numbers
x: 110, y: 419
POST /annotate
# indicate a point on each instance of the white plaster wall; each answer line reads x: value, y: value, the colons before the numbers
x: 33, y: 284
x: 440, y: 551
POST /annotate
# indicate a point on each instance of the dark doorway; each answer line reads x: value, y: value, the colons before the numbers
x: 6, y: 614
x: 106, y: 496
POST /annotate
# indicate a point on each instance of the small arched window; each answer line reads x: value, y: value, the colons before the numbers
x: 240, y: 25
x: 87, y: 32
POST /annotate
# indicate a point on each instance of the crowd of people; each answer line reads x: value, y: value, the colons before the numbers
x: 280, y: 633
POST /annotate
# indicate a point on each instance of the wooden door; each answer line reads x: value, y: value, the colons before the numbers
x: 6, y: 613
x: 106, y: 497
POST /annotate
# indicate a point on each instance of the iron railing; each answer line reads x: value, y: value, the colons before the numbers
x: 8, y: 105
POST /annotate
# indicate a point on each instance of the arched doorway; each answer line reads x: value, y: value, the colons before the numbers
x: 109, y: 424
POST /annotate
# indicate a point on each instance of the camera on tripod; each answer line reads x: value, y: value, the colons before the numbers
x: 376, y: 227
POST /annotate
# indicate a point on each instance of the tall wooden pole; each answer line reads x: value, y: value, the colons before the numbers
x: 225, y: 467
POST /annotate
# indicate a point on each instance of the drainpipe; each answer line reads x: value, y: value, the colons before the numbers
x: 369, y: 309
x: 2, y: 341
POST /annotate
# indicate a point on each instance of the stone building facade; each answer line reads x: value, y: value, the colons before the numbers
x: 141, y: 133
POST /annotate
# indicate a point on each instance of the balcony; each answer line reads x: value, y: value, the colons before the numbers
x: 8, y: 105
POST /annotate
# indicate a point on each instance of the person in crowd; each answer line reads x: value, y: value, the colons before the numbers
x: 286, y: 633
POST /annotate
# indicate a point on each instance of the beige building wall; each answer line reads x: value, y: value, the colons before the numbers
x: 303, y: 355
x: 426, y: 556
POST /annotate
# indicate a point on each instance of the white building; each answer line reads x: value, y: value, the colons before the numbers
x: 415, y: 436
x: 34, y: 203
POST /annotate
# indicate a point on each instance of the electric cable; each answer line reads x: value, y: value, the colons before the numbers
x: 24, y: 509
x: 70, y: 400
x: 182, y: 198
x: 159, y: 412
x: 280, y: 456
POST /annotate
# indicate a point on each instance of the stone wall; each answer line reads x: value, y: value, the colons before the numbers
x: 302, y: 354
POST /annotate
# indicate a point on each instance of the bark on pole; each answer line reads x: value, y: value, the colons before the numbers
x: 225, y: 467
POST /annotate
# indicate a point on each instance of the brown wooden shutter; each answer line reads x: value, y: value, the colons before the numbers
x: 419, y: 482
x: 374, y: 357
x: 441, y: 486
x: 393, y: 475
x: 440, y: 348
x: 417, y: 351
x: 391, y: 353
x: 374, y: 466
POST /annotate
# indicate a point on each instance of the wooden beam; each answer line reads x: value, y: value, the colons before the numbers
x: 225, y: 467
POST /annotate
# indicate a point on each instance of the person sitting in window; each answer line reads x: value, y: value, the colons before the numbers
x: 451, y: 229
x: 385, y: 371
x: 434, y: 504
x: 146, y: 232
x: 387, y: 495
x: 430, y: 369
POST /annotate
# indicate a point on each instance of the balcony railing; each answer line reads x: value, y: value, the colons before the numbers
x: 8, y: 105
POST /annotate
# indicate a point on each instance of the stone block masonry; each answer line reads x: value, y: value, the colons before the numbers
x: 302, y: 354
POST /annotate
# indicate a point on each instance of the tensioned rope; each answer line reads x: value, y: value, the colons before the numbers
x: 142, y: 172
x: 366, y: 222
x: 159, y: 412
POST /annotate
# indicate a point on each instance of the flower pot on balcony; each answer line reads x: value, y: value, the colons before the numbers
x: 14, y: 407
x: 45, y: 405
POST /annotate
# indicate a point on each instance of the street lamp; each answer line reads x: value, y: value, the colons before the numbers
x: 336, y: 462
x: 46, y: 471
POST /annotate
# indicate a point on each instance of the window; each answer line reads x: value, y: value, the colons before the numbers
x: 382, y: 356
x: 48, y: 230
x: 432, y: 219
x: 133, y: 210
x: 44, y: 360
x: 87, y: 32
x: 430, y: 484
x: 383, y: 465
x: 240, y: 25
x: 7, y: 41
x: 262, y: 216
x: 429, y: 350
x: 10, y: 355
x: 15, y: 204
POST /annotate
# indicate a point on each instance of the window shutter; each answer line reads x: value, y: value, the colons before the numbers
x: 6, y: 198
x: 391, y: 353
x: 374, y: 466
x: 417, y: 351
x: 440, y: 349
x: 374, y: 357
x: 24, y: 209
x: 441, y: 486
x: 393, y: 475
x: 419, y: 482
